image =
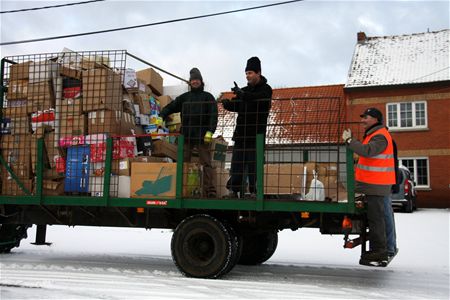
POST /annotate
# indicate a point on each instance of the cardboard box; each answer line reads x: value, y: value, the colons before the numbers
x: 130, y: 79
x: 152, y: 79
x: 69, y: 72
x: 150, y: 180
x: 20, y: 125
x: 72, y: 125
x: 52, y: 187
x: 40, y: 105
x: 164, y: 100
x: 16, y: 108
x: 162, y: 148
x: 19, y: 71
x: 283, y: 178
x: 144, y: 103
x: 104, y: 121
x: 43, y: 71
x: 41, y: 90
x: 11, y: 188
x: 17, y: 89
x: 102, y: 89
x: 71, y: 106
x: 16, y: 151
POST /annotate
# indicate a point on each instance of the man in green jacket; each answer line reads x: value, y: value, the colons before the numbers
x: 198, y: 111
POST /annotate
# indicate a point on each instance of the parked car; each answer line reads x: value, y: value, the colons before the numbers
x: 406, y: 197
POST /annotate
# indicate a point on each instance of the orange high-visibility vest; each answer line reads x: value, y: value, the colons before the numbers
x: 378, y: 169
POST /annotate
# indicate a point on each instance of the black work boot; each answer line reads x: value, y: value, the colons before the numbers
x: 375, y: 255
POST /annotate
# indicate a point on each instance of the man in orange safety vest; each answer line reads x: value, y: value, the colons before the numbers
x: 374, y: 176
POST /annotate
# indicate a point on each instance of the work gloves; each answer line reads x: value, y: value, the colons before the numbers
x: 347, y: 135
x: 208, y: 137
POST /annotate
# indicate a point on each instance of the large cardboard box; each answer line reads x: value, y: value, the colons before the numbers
x: 19, y: 71
x: 41, y: 90
x: 102, y: 89
x: 143, y: 100
x: 16, y: 152
x: 69, y: 72
x: 16, y: 108
x: 162, y: 148
x: 11, y: 188
x: 164, y: 100
x: 152, y: 79
x: 52, y: 187
x: 150, y: 180
x: 105, y: 121
x: 72, y: 125
x: 70, y: 106
x: 17, y: 89
x: 43, y: 71
x: 283, y: 178
x: 20, y: 125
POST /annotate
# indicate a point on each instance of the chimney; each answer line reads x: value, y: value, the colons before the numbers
x: 361, y: 37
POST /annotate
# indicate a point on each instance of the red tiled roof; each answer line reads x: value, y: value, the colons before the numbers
x: 312, y: 114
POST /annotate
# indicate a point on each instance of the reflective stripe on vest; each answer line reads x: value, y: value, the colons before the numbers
x: 378, y: 169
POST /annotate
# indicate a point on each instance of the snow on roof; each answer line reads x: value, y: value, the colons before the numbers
x: 400, y: 59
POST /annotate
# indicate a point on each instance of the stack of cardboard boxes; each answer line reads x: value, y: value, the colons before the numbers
x: 75, y: 107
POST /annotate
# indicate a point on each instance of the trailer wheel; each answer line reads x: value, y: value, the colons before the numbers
x: 203, y: 247
x: 236, y: 241
x: 11, y: 235
x: 258, y: 248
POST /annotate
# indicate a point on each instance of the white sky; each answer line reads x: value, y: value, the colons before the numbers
x: 299, y: 44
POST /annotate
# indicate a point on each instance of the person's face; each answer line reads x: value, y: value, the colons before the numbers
x: 252, y: 77
x: 368, y: 121
x: 196, y: 83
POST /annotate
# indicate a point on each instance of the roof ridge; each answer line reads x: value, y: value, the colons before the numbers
x: 406, y: 34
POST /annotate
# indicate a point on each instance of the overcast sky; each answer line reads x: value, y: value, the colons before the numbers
x: 300, y: 44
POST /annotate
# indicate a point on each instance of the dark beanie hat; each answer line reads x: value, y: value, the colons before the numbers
x: 195, y: 74
x: 253, y: 64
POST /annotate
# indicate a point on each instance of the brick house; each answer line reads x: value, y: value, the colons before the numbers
x: 407, y: 77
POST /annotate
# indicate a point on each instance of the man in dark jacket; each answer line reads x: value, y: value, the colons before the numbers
x: 374, y: 176
x: 198, y: 111
x: 252, y: 103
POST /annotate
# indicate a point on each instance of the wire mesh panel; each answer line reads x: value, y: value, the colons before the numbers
x: 304, y: 159
x: 76, y: 102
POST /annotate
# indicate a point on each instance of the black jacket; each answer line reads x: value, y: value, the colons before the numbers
x: 198, y: 114
x: 253, y: 110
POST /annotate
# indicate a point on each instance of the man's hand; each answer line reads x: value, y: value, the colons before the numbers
x: 208, y: 137
x: 347, y: 134
x: 237, y: 90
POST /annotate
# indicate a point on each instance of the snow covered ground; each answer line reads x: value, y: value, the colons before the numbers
x: 116, y: 263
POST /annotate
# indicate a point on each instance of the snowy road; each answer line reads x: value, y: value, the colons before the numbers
x: 113, y: 263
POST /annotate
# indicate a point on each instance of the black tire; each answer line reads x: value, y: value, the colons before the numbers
x: 202, y: 247
x: 258, y: 248
x: 408, y: 207
x: 11, y: 235
x: 236, y: 248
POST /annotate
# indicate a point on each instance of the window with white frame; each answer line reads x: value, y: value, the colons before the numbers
x: 419, y: 168
x: 405, y: 115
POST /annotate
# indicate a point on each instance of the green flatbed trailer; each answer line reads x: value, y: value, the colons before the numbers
x: 210, y: 236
